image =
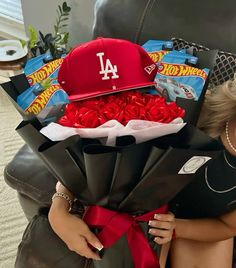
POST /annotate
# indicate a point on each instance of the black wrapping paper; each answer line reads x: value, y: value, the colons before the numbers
x: 162, y: 181
x: 99, y: 167
x: 120, y: 177
x: 30, y: 132
x: 128, y: 168
x: 12, y: 93
x: 57, y: 155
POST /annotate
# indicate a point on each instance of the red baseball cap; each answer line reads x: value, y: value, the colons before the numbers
x: 105, y: 66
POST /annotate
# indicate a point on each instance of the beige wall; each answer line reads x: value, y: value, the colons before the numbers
x: 42, y: 14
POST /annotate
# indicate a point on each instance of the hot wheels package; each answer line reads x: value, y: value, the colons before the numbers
x: 35, y: 98
x: 45, y: 91
x: 176, y: 56
x: 158, y: 48
x: 177, y: 75
x: 40, y: 68
x: 180, y: 80
x: 157, y: 45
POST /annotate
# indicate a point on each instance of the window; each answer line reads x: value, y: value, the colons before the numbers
x: 12, y: 9
x: 11, y: 19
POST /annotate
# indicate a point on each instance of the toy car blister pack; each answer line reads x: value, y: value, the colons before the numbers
x: 45, y: 91
x: 41, y: 67
x: 176, y: 79
x: 33, y: 103
x: 156, y: 49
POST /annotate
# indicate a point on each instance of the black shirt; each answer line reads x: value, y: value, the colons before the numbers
x: 212, y: 193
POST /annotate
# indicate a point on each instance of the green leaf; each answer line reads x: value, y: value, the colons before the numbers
x: 55, y: 29
x: 63, y: 25
x: 46, y: 83
x: 64, y: 19
x: 65, y: 7
x: 41, y: 36
x: 33, y: 36
x: 52, y: 50
x: 60, y: 9
x: 57, y: 37
x: 23, y: 43
x: 65, y: 38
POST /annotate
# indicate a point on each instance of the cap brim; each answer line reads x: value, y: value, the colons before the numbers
x: 79, y: 97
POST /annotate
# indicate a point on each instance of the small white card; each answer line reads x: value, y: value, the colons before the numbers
x: 193, y: 164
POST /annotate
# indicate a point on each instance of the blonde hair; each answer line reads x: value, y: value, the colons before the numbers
x: 218, y: 108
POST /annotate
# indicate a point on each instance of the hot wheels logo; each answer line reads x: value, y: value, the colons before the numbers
x: 41, y: 100
x: 157, y: 55
x: 44, y: 72
x: 180, y: 70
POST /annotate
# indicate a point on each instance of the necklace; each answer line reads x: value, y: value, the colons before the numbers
x: 214, y: 190
x: 227, y: 137
x: 227, y: 161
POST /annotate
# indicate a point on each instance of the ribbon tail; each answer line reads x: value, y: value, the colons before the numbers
x: 142, y: 253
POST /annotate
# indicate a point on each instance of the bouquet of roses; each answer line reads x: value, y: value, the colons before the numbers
x: 114, y: 151
x: 141, y: 115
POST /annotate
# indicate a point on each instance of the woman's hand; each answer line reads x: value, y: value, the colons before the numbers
x: 162, y: 227
x: 73, y: 230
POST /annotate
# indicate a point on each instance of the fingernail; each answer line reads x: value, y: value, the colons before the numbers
x: 157, y: 216
x: 150, y: 222
x: 150, y: 231
x: 98, y: 246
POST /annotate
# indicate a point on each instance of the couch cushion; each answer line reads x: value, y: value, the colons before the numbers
x: 211, y: 23
x: 27, y: 174
x: 39, y: 236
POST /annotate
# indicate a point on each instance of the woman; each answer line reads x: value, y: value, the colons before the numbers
x: 214, y: 194
x: 197, y: 233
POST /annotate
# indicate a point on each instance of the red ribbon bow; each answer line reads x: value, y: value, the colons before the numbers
x: 114, y: 224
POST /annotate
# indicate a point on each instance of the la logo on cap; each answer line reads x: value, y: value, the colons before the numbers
x: 105, y: 66
x: 109, y: 68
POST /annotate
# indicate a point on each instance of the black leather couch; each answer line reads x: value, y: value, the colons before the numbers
x: 210, y: 23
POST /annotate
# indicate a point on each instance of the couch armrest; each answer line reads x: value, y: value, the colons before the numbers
x: 27, y: 174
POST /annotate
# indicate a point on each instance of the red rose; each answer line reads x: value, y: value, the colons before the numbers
x: 137, y: 98
x: 176, y: 110
x: 133, y: 112
x: 87, y: 118
x: 94, y: 103
x: 165, y: 114
x: 69, y: 117
x: 158, y: 110
x: 111, y: 111
x: 122, y: 107
x: 117, y: 98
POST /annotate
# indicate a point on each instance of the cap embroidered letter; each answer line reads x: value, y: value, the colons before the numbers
x: 109, y: 68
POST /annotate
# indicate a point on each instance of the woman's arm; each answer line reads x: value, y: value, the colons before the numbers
x: 205, y: 230
x: 208, y: 230
x: 71, y: 229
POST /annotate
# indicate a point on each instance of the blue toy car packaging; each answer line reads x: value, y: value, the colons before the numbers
x: 41, y: 67
x: 35, y: 98
x: 45, y: 91
x: 176, y: 79
x: 156, y: 49
x: 177, y: 75
x: 176, y: 56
